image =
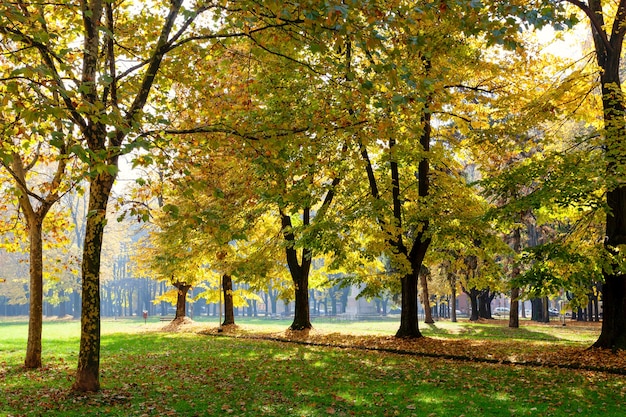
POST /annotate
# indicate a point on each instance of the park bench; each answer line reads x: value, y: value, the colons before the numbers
x: 166, y: 318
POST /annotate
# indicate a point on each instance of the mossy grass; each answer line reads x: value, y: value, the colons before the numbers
x: 150, y: 373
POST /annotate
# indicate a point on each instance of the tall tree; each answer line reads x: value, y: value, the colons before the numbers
x: 83, y: 52
x: 34, y: 150
x: 284, y: 128
x: 608, y: 27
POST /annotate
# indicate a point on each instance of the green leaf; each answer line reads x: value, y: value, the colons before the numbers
x: 172, y: 210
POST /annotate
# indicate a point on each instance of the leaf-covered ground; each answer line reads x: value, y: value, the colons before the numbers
x: 191, y: 370
x: 503, y: 351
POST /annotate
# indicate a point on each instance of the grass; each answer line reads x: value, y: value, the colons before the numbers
x: 149, y: 373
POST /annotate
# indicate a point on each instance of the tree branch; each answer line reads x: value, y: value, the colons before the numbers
x: 160, y: 49
x: 619, y: 26
x: 49, y: 57
x: 596, y: 23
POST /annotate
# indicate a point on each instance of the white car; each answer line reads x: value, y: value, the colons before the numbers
x: 502, y: 311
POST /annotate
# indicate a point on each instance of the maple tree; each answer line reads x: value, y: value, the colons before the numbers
x: 103, y: 98
x: 300, y: 95
x: 34, y: 151
x: 293, y: 160
x: 375, y: 79
x: 408, y: 98
x: 608, y: 28
x: 111, y: 56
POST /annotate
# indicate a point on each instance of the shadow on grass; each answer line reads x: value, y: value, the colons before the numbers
x: 187, y: 374
x: 486, y: 330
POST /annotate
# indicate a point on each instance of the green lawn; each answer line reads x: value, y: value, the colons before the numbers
x: 149, y: 373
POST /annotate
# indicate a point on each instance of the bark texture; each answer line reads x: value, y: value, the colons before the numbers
x: 35, y: 313
x: 515, y: 291
x: 229, y: 308
x: 88, y: 371
x: 181, y: 299
x: 608, y: 41
x: 35, y: 216
x: 428, y: 313
x: 299, y: 270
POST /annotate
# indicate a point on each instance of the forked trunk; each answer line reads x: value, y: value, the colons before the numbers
x: 33, y: 346
x: 409, y: 323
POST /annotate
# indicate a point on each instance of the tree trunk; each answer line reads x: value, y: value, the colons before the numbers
x: 473, y: 297
x: 608, y: 54
x: 181, y: 299
x: 409, y: 322
x: 545, y: 306
x: 129, y: 292
x: 537, y: 310
x: 453, y: 299
x: 408, y: 315
x: 34, y: 221
x: 409, y: 319
x: 344, y: 299
x: 428, y: 314
x: 313, y: 301
x: 299, y: 271
x: 87, y: 374
x: 301, y: 319
x: 62, y: 304
x: 409, y: 326
x: 484, y: 305
x: 33, y: 346
x: 229, y: 311
x: 515, y: 292
x: 273, y: 301
x: 613, y: 333
x: 514, y: 312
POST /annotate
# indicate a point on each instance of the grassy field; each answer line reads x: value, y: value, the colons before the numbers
x: 145, y: 372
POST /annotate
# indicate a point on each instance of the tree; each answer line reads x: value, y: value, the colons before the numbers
x: 34, y: 150
x: 104, y: 100
x: 424, y: 277
x: 414, y: 99
x: 287, y: 140
x: 608, y: 26
x: 169, y: 254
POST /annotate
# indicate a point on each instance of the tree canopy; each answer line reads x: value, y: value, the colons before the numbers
x: 280, y: 142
